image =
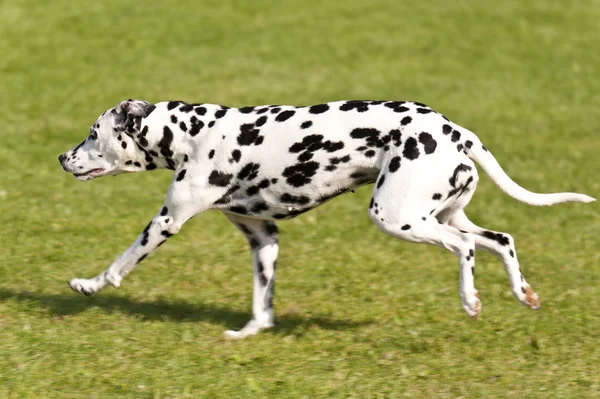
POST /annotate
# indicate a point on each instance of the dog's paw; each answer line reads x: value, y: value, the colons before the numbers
x: 83, y: 286
x: 253, y: 327
x: 529, y: 298
x: 472, y: 304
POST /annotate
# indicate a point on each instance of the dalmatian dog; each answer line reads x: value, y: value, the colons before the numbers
x: 259, y: 165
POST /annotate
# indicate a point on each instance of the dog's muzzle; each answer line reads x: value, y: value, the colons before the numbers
x: 61, y: 159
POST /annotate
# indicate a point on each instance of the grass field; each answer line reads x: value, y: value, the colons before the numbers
x: 359, y: 314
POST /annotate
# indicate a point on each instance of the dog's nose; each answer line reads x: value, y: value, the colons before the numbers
x: 61, y: 158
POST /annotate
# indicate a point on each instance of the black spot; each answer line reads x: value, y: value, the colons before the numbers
x: 293, y: 199
x: 471, y: 252
x: 468, y: 143
x: 446, y: 129
x: 239, y: 209
x: 436, y: 197
x: 423, y: 110
x: 261, y: 274
x: 246, y: 110
x: 183, y: 126
x: 455, y: 136
x: 275, y: 110
x: 181, y: 175
x: 318, y: 109
x: 405, y: 227
x: 372, y: 202
x: 262, y: 110
x: 300, y: 174
x: 273, y: 181
x: 473, y: 271
x: 270, y: 228
x: 166, y: 233
x: 137, y: 164
x: 381, y: 180
x: 396, y: 106
x: 406, y: 120
x: 218, y: 178
x: 259, y: 207
x: 173, y: 119
x: 370, y: 154
x: 196, y: 126
x: 523, y: 290
x: 360, y: 106
x: 484, y: 149
x: 428, y: 142
x: 141, y: 258
x: 173, y: 104
x: 165, y: 142
x: 306, y: 125
x: 186, y: 158
x: 145, y: 239
x: 211, y: 154
x: 512, y: 254
x: 249, y: 171
x: 220, y: 113
x: 248, y: 135
x: 186, y: 108
x: 500, y: 238
x: 236, y: 155
x: 305, y: 156
x: 126, y: 163
x: 285, y: 115
x: 211, y: 123
x: 460, y: 168
x: 200, y: 110
x: 164, y: 211
x: 394, y: 164
x: 459, y: 147
x: 252, y: 190
x: 150, y: 166
x: 333, y: 146
x: 410, y: 149
x: 261, y: 121
x: 396, y: 137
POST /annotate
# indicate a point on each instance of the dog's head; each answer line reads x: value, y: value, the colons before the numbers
x: 110, y: 147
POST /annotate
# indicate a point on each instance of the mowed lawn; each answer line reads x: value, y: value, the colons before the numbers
x: 359, y: 314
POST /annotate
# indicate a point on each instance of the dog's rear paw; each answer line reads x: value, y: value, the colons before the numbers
x: 472, y: 305
x: 253, y: 327
x: 82, y: 286
x: 530, y: 299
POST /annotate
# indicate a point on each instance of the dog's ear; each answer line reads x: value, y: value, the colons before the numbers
x: 129, y: 114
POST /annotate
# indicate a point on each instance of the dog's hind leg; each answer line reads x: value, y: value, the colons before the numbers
x: 262, y: 237
x: 407, y: 214
x: 503, y: 246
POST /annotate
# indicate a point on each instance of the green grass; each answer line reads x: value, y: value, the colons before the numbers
x: 359, y: 314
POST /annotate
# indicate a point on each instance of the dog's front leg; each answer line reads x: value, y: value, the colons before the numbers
x: 181, y: 204
x: 262, y: 237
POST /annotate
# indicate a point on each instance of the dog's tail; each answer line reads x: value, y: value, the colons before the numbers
x: 477, y: 152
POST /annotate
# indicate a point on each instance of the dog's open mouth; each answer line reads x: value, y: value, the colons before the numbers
x: 89, y: 173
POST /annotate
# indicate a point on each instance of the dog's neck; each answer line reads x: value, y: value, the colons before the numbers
x: 162, y: 143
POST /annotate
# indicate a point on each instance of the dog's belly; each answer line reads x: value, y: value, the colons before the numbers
x: 280, y: 200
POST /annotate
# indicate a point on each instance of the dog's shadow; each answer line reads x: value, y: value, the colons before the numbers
x: 172, y: 310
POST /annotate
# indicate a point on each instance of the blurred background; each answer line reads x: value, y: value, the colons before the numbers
x: 358, y: 314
